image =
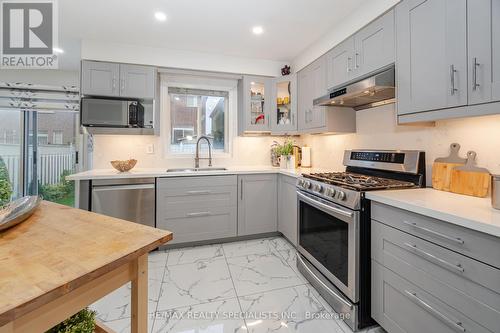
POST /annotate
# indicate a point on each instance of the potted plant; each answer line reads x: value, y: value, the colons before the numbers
x: 285, y: 152
x: 81, y: 322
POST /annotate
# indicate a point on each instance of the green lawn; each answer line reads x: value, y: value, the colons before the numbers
x: 68, y: 200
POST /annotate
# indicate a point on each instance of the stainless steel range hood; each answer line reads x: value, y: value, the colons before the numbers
x: 376, y: 90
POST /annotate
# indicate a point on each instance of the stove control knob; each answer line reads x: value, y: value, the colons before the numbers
x: 341, y: 195
x: 330, y: 192
x: 307, y: 184
x: 317, y: 188
x: 300, y: 183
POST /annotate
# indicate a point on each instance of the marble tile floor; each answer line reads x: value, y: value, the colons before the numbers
x: 247, y: 286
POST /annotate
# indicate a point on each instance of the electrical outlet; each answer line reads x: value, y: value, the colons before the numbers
x: 150, y: 148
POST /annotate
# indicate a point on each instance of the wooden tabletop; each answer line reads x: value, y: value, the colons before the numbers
x: 58, y: 249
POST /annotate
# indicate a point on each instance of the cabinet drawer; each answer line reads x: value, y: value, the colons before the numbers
x: 199, y: 224
x: 400, y: 306
x: 477, y: 245
x: 465, y: 284
x: 188, y: 192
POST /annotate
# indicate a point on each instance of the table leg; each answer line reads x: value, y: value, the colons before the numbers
x: 140, y: 295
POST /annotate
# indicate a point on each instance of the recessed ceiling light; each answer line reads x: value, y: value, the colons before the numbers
x: 257, y: 30
x: 252, y: 83
x: 57, y: 50
x: 160, y: 16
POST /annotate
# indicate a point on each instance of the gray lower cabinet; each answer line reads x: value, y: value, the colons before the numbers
x: 287, y: 208
x: 432, y: 276
x: 197, y: 208
x: 257, y: 204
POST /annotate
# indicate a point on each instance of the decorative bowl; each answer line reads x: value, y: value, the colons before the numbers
x: 124, y: 166
x: 18, y: 210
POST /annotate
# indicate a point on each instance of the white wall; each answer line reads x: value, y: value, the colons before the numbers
x: 343, y: 29
x: 377, y: 129
x: 247, y: 151
x: 163, y: 57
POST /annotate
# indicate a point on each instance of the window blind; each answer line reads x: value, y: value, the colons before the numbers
x: 34, y: 97
x: 197, y: 92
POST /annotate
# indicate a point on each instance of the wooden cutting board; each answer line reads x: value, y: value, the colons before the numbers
x: 469, y: 179
x: 442, y: 168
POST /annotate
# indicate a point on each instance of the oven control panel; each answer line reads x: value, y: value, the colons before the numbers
x: 332, y: 193
x: 387, y: 157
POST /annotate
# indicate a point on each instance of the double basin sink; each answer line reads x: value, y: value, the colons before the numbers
x: 196, y: 169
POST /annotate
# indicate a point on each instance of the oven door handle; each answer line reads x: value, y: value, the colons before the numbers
x: 323, y: 206
x: 340, y: 298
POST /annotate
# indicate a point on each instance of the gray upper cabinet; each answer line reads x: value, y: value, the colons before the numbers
x: 284, y: 105
x: 370, y: 49
x: 257, y: 204
x: 374, y: 45
x: 495, y: 51
x: 287, y: 208
x: 254, y: 104
x: 100, y: 78
x: 137, y: 81
x: 431, y: 54
x: 483, y: 36
x: 312, y: 84
x: 117, y: 80
x: 340, y: 63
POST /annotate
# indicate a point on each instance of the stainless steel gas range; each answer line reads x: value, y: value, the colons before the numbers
x: 334, y: 225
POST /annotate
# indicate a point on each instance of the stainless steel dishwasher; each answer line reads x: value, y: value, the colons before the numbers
x: 127, y: 199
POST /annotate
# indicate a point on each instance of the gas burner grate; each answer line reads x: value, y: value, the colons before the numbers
x: 358, y: 182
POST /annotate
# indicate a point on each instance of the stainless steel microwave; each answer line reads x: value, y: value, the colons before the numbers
x: 101, y: 112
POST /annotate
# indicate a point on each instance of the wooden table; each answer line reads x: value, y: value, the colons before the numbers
x: 63, y: 259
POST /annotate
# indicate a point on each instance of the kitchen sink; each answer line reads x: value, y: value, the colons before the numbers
x: 196, y: 169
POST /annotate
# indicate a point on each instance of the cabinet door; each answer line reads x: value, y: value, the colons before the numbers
x: 495, y: 49
x: 431, y: 55
x: 312, y: 84
x: 340, y: 63
x: 137, y: 81
x: 100, y: 78
x: 287, y: 208
x: 284, y: 105
x: 257, y: 204
x: 479, y: 50
x: 256, y: 92
x: 374, y: 45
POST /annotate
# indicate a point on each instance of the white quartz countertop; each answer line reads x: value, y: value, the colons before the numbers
x: 153, y: 172
x: 469, y: 212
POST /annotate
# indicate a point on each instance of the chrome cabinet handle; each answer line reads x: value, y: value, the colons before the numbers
x: 114, y: 83
x: 123, y: 84
x: 432, y: 232
x: 452, y: 78
x: 426, y: 306
x: 311, y: 273
x: 198, y: 214
x: 356, y: 64
x: 439, y: 261
x: 475, y: 65
x: 349, y: 59
x: 198, y: 192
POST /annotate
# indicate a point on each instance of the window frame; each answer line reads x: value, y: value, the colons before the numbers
x: 202, y: 83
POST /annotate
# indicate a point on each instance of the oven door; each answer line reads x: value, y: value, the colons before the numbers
x: 329, y: 239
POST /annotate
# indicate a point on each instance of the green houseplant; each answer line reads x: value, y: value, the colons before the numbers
x: 81, y: 322
x: 285, y: 152
x: 5, y: 187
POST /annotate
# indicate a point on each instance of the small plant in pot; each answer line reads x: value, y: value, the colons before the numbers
x: 285, y: 152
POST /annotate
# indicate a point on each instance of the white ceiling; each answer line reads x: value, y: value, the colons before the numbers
x: 210, y: 26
